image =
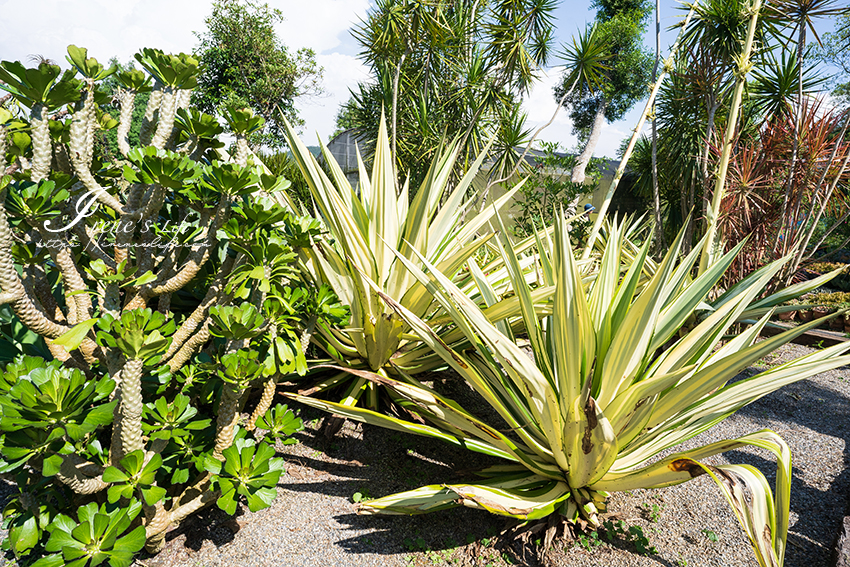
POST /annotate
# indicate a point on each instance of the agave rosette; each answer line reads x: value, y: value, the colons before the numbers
x: 372, y: 232
x: 613, y: 383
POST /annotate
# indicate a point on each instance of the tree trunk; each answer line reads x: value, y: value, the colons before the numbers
x: 786, y: 226
x: 713, y: 104
x: 656, y: 197
x: 578, y: 173
x: 395, y: 105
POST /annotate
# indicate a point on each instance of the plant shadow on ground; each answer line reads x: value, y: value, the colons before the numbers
x: 790, y: 411
x: 376, y: 462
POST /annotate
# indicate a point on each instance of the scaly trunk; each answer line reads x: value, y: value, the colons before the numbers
x: 167, y: 110
x: 228, y: 417
x: 241, y: 154
x: 131, y: 407
x: 128, y: 98
x: 42, y: 151
x: 151, y: 114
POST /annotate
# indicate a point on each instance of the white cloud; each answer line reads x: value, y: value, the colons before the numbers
x: 540, y: 105
x: 120, y: 28
x: 106, y: 28
x: 341, y: 73
x: 319, y: 24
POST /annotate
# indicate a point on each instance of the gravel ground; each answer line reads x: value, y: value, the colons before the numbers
x: 312, y: 521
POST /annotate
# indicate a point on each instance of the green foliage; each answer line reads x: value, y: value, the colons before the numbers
x: 621, y: 77
x: 147, y: 278
x: 139, y: 334
x: 612, y: 383
x: 244, y: 63
x: 833, y: 51
x: 171, y: 420
x: 448, y: 71
x: 280, y: 423
x: 42, y: 85
x: 248, y: 471
x: 98, y: 535
x: 46, y: 409
x: 282, y: 164
x: 550, y: 189
x: 135, y: 478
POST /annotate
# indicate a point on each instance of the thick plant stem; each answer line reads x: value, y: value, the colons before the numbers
x: 265, y: 403
x: 131, y: 406
x: 78, y: 136
x: 151, y: 113
x: 4, y: 142
x: 80, y: 476
x: 583, y: 160
x: 395, y: 106
x: 578, y: 173
x: 269, y: 387
x: 13, y: 288
x: 42, y: 150
x: 157, y: 520
x: 228, y: 417
x: 128, y: 99
x: 712, y: 248
x: 199, y: 315
x: 78, y: 301
x: 167, y: 110
x: 240, y: 156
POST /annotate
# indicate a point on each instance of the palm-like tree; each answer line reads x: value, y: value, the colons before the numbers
x: 800, y: 16
x: 450, y: 68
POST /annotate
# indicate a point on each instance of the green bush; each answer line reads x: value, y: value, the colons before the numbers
x: 144, y: 280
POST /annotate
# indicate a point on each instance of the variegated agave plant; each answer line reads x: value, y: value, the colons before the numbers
x: 621, y: 371
x: 371, y: 232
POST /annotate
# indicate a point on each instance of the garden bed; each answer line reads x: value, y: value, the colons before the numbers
x: 312, y: 522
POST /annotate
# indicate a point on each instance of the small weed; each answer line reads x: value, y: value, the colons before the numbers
x: 620, y: 530
x: 417, y: 544
x: 589, y: 541
x: 682, y: 562
x: 712, y: 537
x: 653, y: 511
x: 641, y: 542
x: 361, y: 496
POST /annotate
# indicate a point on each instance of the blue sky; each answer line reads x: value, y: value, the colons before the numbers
x: 120, y: 28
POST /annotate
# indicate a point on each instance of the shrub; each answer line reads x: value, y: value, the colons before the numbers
x: 146, y: 279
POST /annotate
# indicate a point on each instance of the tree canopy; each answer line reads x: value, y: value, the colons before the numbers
x: 448, y: 69
x: 243, y: 62
x: 620, y: 25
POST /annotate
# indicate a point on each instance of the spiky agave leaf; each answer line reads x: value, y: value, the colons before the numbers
x: 370, y: 230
